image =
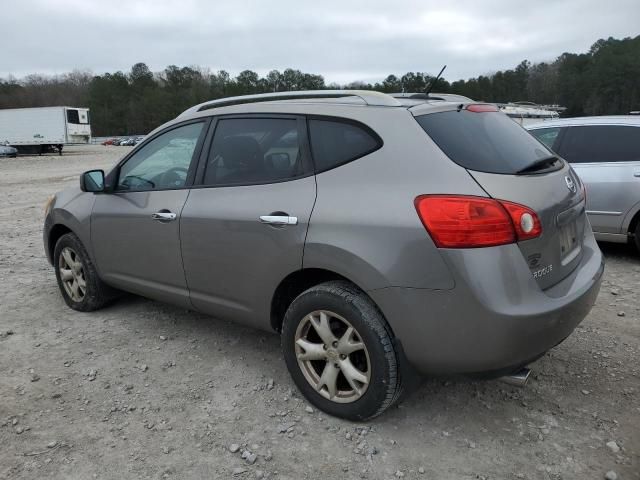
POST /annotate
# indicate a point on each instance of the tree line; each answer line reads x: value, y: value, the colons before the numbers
x: 604, y: 80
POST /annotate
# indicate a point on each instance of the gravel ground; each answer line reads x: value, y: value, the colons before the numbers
x: 146, y: 390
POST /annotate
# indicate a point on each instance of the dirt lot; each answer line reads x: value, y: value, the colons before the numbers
x: 145, y: 390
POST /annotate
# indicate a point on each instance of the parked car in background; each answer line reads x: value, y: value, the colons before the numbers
x: 8, y: 151
x: 605, y: 153
x: 437, y: 236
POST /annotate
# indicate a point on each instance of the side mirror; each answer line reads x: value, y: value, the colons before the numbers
x: 92, y: 181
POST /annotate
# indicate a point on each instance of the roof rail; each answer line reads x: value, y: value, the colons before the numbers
x: 368, y: 97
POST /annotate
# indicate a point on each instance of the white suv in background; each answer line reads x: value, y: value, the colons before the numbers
x: 605, y: 153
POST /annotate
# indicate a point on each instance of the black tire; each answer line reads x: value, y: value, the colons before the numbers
x: 636, y: 237
x: 97, y: 294
x: 346, y: 300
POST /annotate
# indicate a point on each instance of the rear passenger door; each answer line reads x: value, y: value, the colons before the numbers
x: 244, y: 224
x: 607, y: 159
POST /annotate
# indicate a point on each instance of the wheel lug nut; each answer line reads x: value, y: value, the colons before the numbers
x: 335, y: 344
x: 342, y: 357
x: 324, y: 347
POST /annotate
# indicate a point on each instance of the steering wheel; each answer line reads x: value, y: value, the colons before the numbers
x: 174, y: 177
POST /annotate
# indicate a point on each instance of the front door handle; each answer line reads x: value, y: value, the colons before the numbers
x: 164, y: 216
x: 279, y: 220
x: 636, y: 173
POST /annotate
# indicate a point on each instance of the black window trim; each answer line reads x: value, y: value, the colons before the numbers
x: 348, y: 121
x: 111, y: 180
x: 204, y: 154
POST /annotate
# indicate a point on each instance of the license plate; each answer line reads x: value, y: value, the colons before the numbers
x: 569, y: 246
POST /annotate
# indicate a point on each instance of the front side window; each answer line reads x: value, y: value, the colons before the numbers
x: 254, y: 150
x: 335, y: 143
x: 548, y: 136
x: 601, y: 143
x: 163, y: 162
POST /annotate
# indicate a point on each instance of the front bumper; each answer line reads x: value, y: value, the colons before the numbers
x: 496, y: 316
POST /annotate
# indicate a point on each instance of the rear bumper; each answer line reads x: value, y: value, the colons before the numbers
x: 496, y: 317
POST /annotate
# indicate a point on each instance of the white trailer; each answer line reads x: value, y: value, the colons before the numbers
x: 45, y: 129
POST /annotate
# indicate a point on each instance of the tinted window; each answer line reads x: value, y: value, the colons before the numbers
x: 601, y: 143
x: 548, y: 136
x: 254, y: 150
x: 72, y: 117
x: 162, y: 162
x: 334, y: 143
x: 483, y: 141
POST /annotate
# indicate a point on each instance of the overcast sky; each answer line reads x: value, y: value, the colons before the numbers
x: 343, y: 40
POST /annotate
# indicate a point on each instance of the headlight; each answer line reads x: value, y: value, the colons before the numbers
x: 48, y: 203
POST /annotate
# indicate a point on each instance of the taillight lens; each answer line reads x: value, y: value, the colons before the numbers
x: 525, y: 220
x: 457, y: 221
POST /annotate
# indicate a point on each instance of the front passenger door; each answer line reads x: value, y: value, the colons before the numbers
x: 135, y: 230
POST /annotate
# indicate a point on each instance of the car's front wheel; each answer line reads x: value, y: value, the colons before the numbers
x: 77, y: 277
x: 340, y: 351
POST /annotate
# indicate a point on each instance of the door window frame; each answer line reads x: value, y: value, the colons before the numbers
x: 111, y: 180
x: 305, y: 150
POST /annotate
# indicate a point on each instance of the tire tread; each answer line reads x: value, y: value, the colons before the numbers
x: 98, y: 293
x: 375, y: 321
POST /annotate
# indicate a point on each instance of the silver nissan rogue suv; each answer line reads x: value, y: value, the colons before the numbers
x: 379, y: 236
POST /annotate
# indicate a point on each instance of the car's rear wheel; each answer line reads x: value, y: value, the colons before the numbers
x: 77, y: 277
x: 340, y: 351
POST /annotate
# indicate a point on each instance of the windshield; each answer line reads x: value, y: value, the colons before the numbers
x: 485, y: 141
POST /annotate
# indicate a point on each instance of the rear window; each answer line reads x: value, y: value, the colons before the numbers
x: 483, y: 141
x: 601, y: 143
x: 335, y: 142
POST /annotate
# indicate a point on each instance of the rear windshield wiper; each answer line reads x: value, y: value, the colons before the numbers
x: 540, y: 164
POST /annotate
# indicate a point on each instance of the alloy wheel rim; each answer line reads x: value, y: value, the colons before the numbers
x: 72, y: 274
x: 332, y: 356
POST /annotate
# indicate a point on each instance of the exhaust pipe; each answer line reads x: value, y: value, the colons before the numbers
x: 519, y: 378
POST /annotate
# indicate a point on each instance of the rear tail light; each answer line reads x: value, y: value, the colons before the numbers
x: 458, y: 221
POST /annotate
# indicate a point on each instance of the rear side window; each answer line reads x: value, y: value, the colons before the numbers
x: 548, y: 136
x: 483, y: 141
x: 601, y: 143
x: 335, y: 142
x: 254, y: 150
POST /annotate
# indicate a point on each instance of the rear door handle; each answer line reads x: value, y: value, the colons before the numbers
x: 164, y: 216
x: 636, y: 173
x: 279, y: 220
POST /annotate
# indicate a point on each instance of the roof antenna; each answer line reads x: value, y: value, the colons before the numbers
x: 432, y: 84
